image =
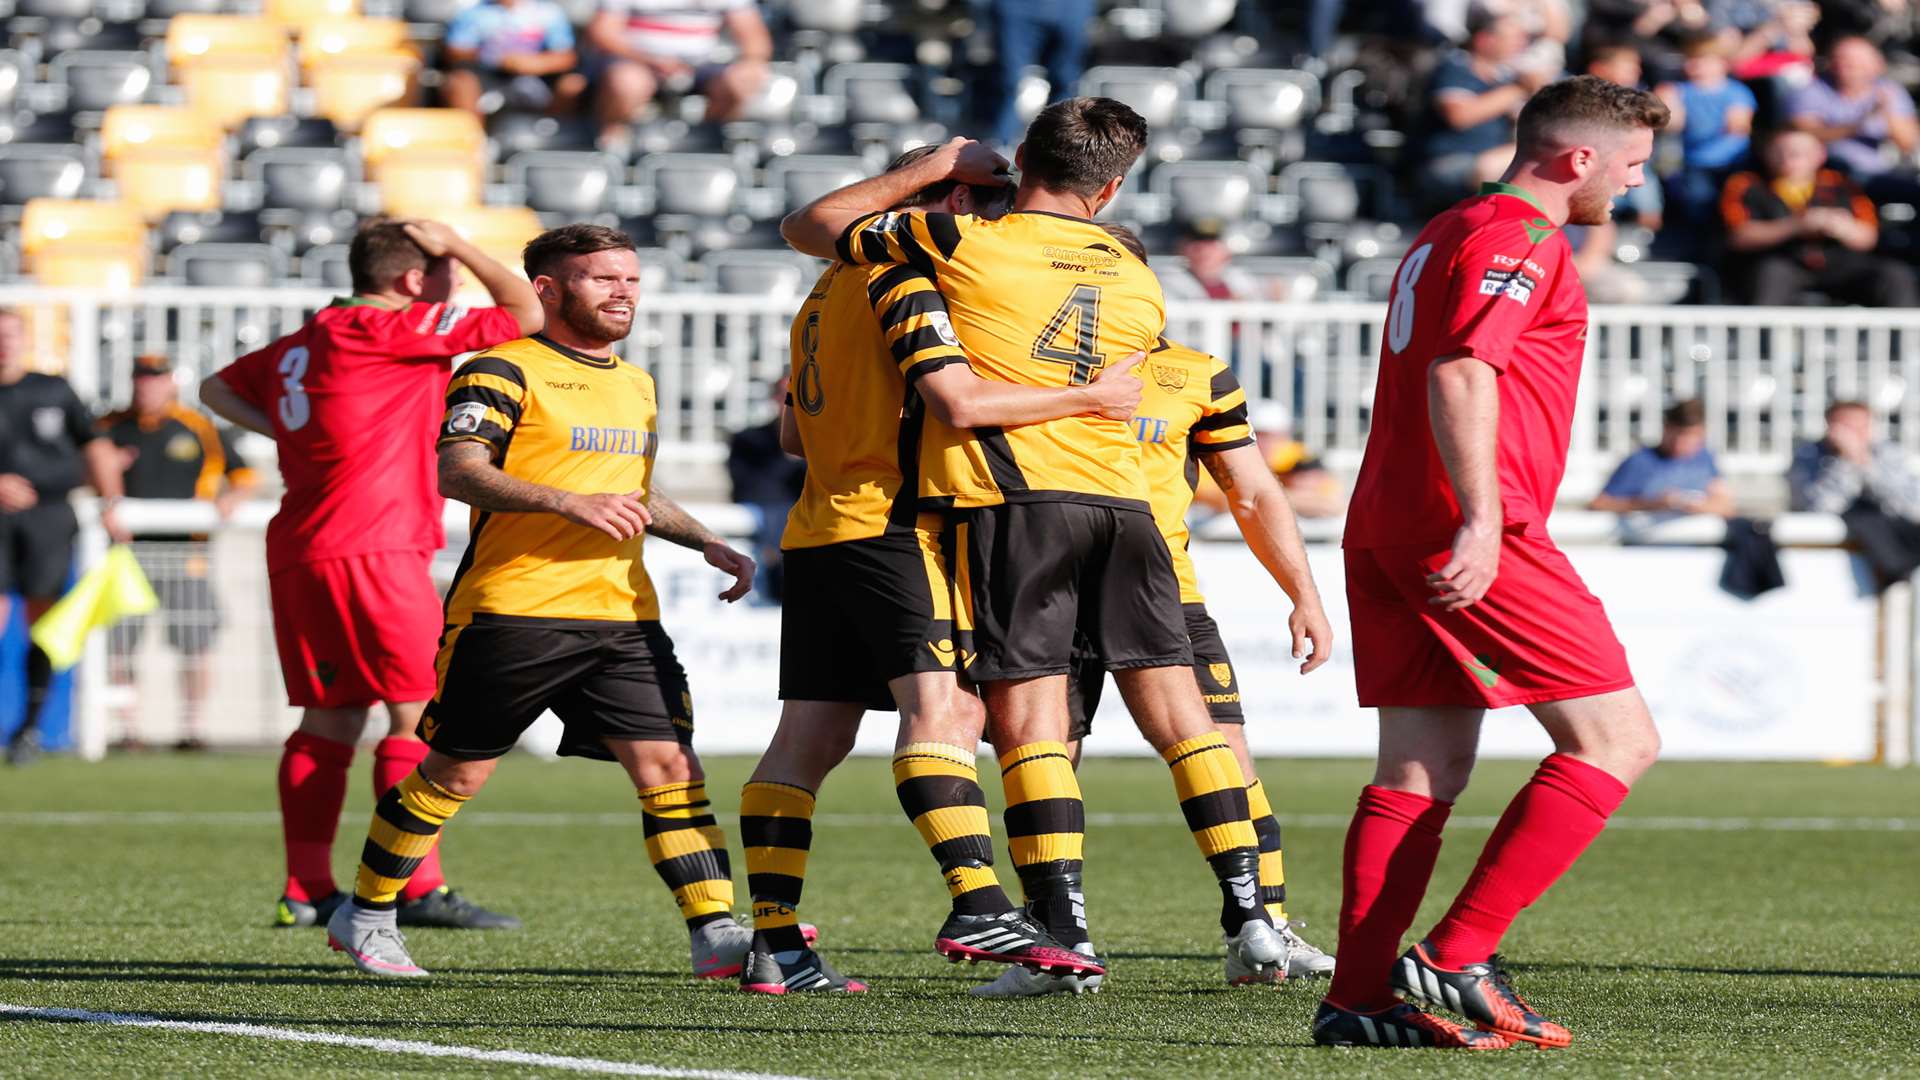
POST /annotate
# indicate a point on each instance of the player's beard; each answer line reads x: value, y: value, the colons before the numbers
x: 1591, y: 203
x: 592, y: 323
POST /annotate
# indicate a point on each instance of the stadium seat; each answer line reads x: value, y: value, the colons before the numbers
x: 518, y: 133
x: 390, y: 132
x: 191, y: 38
x: 207, y: 227
x: 1668, y: 282
x: 1277, y: 100
x: 1197, y: 18
x: 1291, y: 278
x: 16, y: 71
x: 703, y: 185
x: 40, y: 172
x: 500, y: 231
x: 874, y: 93
x: 98, y: 266
x: 231, y: 89
x: 326, y: 266
x: 783, y: 274
x: 1198, y: 190
x: 302, y: 231
x: 661, y: 271
x: 301, y: 178
x: 169, y: 9
x: 159, y: 181
x: 828, y: 16
x: 434, y: 13
x: 577, y: 183
x: 297, y: 13
x: 800, y: 180
x: 132, y: 129
x: 676, y: 137
x: 1371, y: 279
x: 46, y: 223
x: 1032, y: 95
x: 332, y: 38
x: 100, y: 80
x: 776, y: 101
x: 58, y: 36
x: 1333, y: 192
x: 228, y: 266
x: 51, y: 129
x: 346, y: 90
x: 427, y: 184
x: 1156, y: 93
x: 53, y: 9
x: 274, y: 132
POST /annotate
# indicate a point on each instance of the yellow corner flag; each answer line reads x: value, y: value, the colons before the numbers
x: 114, y: 590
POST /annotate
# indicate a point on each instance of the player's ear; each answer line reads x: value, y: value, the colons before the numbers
x: 411, y: 283
x: 961, y: 200
x: 1107, y: 192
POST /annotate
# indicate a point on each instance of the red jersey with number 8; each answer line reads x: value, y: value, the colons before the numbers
x: 1491, y: 278
x: 356, y: 397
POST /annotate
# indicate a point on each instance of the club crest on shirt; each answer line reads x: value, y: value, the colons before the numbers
x: 1222, y: 674
x: 943, y: 325
x: 464, y: 418
x: 183, y: 447
x: 1169, y: 378
x: 47, y: 422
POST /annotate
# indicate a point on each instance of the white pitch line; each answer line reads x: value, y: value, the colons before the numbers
x: 385, y: 1046
x: 511, y: 819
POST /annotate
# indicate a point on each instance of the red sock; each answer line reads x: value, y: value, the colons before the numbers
x: 1546, y: 827
x: 1391, y: 848
x: 393, y: 759
x: 313, y: 788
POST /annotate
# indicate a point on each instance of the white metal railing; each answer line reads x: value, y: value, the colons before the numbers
x: 1765, y: 375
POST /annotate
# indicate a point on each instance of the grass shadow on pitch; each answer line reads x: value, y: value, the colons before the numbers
x: 1692, y: 969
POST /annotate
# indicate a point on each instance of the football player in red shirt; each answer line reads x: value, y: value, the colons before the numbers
x: 353, y: 399
x: 1459, y: 600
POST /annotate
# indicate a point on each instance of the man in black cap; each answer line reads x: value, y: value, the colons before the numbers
x: 48, y: 447
x: 169, y: 451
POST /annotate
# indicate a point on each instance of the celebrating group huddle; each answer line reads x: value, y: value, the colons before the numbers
x: 1000, y: 445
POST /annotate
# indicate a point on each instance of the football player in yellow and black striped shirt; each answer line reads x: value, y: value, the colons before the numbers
x: 551, y: 440
x: 866, y: 619
x: 1055, y: 535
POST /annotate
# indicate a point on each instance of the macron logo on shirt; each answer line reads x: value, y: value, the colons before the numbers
x: 607, y: 440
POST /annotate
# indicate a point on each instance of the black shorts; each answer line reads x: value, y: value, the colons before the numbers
x: 36, y: 550
x: 499, y: 673
x: 858, y: 614
x: 1034, y: 573
x: 1212, y: 669
x: 181, y: 575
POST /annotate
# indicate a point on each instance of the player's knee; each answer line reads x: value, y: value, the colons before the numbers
x: 334, y: 725
x: 462, y: 778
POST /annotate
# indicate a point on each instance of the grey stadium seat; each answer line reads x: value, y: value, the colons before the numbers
x: 775, y: 102
x: 1372, y: 278
x: 302, y: 178
x: 167, y: 9
x: 761, y: 273
x: 661, y: 271
x: 1335, y: 192
x: 54, y: 9
x: 577, y: 183
x: 228, y: 266
x: 804, y: 179
x: 326, y: 266
x: 832, y: 16
x: 1270, y: 98
x: 184, y: 227
x: 1156, y: 93
x: 100, y: 80
x: 874, y: 93
x: 274, y: 132
x: 520, y: 132
x: 703, y: 185
x: 1198, y: 18
x: 33, y: 172
x: 15, y: 72
x: 1225, y: 190
x: 1288, y: 277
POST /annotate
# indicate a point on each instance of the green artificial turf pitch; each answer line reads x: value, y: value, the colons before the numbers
x: 1679, y: 945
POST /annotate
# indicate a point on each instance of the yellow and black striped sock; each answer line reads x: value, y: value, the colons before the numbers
x: 1046, y: 827
x: 688, y: 850
x: 1213, y: 796
x: 1273, y: 874
x: 939, y: 788
x: 776, y: 828
x: 406, y: 824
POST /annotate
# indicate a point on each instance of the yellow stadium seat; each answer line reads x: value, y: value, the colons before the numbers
x: 159, y: 181
x: 302, y: 12
x: 139, y: 128
x: 391, y: 132
x: 49, y: 222
x: 500, y: 231
x: 192, y: 38
x: 101, y: 266
x: 329, y: 39
x: 428, y: 185
x: 229, y: 89
x: 347, y: 89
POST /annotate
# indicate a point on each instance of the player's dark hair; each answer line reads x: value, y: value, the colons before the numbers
x: 1128, y: 239
x: 984, y: 195
x: 1685, y: 414
x: 382, y: 251
x: 1586, y: 102
x: 1077, y: 145
x: 550, y: 248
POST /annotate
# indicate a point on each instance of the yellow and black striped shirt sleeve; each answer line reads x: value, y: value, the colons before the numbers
x: 484, y: 402
x: 913, y: 317
x: 920, y: 240
x: 1223, y: 419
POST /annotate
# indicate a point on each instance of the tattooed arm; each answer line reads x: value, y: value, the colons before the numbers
x: 1259, y: 506
x: 676, y: 526
x: 468, y: 474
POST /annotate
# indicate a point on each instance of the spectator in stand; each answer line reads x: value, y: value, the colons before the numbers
x: 1800, y: 226
x: 1210, y: 261
x: 1651, y: 25
x: 1473, y: 100
x: 1883, y: 21
x: 1764, y: 37
x: 1863, y: 117
x: 1714, y: 115
x: 651, y: 46
x: 1052, y: 34
x: 516, y: 54
x: 168, y: 451
x: 1677, y: 476
x: 766, y: 480
x: 1312, y: 489
x: 1868, y: 483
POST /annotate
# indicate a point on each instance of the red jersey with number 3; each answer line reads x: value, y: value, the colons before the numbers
x: 1490, y: 278
x: 356, y: 397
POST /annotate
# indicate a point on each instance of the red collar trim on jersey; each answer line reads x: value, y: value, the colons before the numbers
x: 1494, y: 187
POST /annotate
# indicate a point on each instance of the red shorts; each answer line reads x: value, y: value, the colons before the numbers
x: 1538, y: 635
x: 358, y: 630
